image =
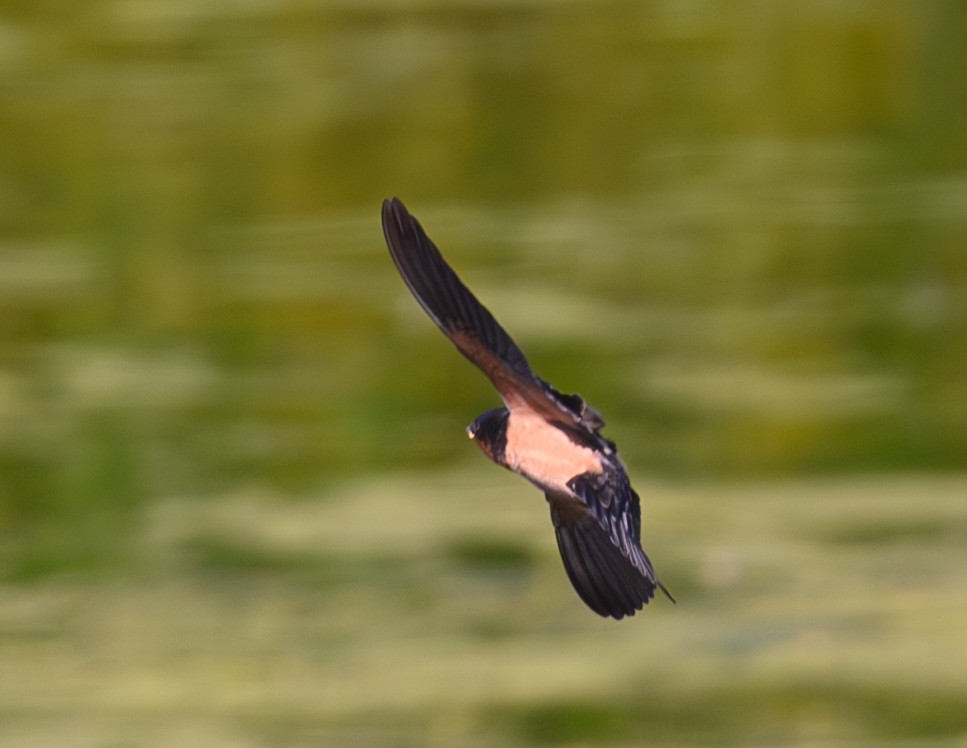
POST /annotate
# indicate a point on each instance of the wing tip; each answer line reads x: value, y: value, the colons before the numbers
x: 393, y: 212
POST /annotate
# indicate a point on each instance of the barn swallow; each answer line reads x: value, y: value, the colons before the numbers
x: 552, y: 439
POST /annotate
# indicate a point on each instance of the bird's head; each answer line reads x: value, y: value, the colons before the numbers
x: 489, y: 431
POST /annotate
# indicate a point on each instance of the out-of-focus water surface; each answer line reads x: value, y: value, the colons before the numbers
x: 236, y: 504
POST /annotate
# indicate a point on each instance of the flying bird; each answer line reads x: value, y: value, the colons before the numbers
x: 552, y: 439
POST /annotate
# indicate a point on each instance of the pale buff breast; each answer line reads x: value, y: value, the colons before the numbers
x: 544, y: 454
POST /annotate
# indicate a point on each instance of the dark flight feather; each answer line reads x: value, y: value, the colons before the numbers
x: 443, y: 295
x: 602, y: 576
x: 471, y: 327
x: 598, y: 535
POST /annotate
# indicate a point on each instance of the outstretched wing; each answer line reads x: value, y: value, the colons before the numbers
x: 598, y: 533
x: 471, y: 327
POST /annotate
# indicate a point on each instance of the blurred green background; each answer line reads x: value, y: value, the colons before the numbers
x: 237, y: 506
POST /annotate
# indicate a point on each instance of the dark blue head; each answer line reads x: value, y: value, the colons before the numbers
x: 489, y: 431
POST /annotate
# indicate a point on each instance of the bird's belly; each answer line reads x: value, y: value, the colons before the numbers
x: 544, y: 454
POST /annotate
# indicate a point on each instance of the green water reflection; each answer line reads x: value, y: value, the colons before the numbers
x: 236, y: 503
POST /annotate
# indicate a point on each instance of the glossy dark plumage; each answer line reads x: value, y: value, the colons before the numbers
x: 550, y: 438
